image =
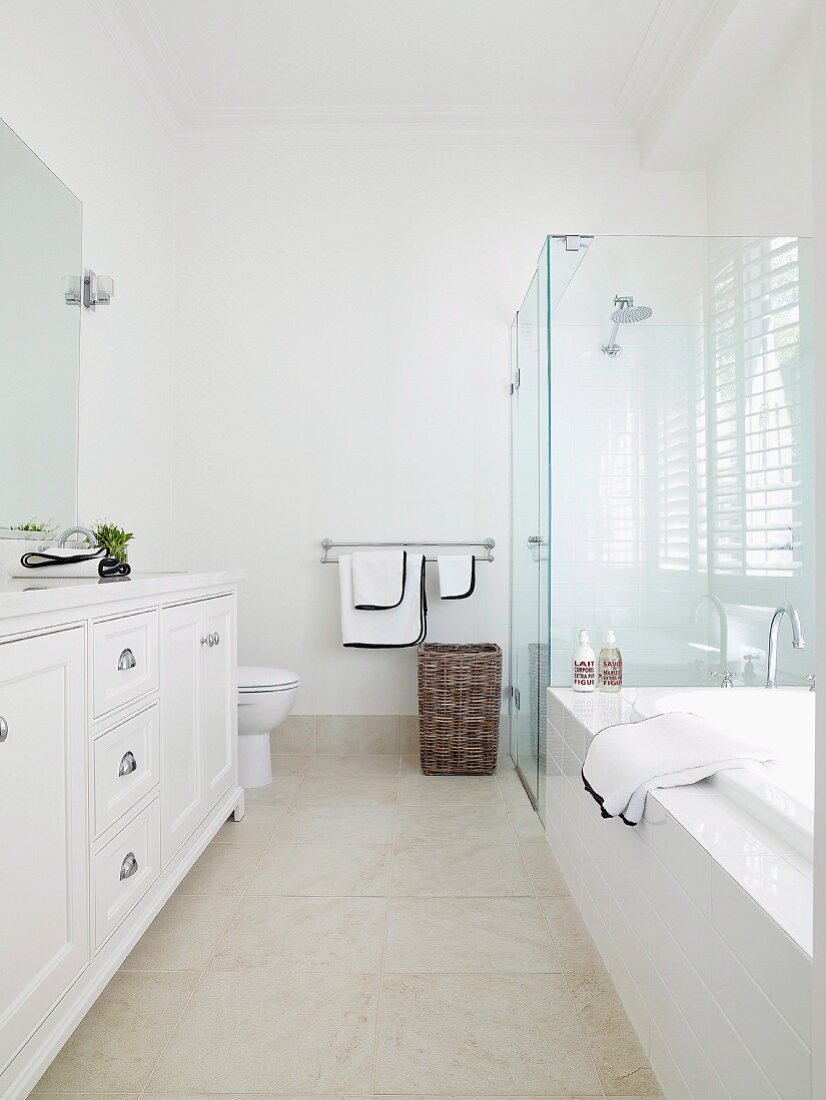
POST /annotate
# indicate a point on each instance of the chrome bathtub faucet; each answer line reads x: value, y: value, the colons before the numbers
x: 719, y: 607
x: 798, y: 641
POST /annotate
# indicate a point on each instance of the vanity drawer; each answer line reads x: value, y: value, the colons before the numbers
x: 124, y: 660
x: 126, y: 766
x: 124, y: 869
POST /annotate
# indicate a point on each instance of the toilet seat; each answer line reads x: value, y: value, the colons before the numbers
x: 257, y: 679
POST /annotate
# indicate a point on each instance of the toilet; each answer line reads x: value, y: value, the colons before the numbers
x: 265, y: 698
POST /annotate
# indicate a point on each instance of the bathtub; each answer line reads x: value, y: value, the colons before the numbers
x: 780, y: 794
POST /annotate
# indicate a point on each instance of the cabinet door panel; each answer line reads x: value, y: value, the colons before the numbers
x: 220, y: 703
x: 181, y: 732
x: 44, y: 925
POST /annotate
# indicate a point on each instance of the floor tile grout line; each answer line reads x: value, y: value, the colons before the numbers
x: 561, y: 968
x: 229, y: 921
x: 380, y: 984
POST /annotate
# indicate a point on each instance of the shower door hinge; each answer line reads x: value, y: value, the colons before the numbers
x: 517, y: 379
x: 517, y: 699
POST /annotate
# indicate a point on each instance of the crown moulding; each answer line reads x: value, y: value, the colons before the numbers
x: 672, y: 33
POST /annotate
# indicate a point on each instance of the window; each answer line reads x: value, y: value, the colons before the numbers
x: 754, y: 408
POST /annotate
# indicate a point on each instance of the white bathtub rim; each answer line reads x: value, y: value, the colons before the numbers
x: 703, y: 802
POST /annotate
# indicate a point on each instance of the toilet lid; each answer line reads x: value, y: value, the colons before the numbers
x: 259, y: 678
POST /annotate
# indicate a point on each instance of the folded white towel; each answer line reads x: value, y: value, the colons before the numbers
x: 54, y: 571
x: 627, y: 761
x: 400, y: 626
x: 457, y: 576
x: 379, y: 578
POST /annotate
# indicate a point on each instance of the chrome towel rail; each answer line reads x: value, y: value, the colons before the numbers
x: 328, y: 544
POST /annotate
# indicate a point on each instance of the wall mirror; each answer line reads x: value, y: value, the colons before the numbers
x: 40, y: 244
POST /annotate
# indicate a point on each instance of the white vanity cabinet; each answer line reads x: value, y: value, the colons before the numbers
x: 44, y: 921
x: 219, y: 703
x: 199, y: 718
x: 118, y: 764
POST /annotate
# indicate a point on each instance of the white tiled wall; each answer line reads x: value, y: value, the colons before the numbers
x: 717, y: 990
x: 626, y: 465
x: 604, y: 502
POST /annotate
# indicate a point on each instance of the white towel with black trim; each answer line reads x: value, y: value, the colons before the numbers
x: 627, y: 761
x: 457, y: 576
x: 405, y: 625
x: 57, y: 563
x: 379, y: 579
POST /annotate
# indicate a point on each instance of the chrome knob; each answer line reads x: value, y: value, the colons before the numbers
x: 129, y: 866
x: 4, y: 730
x: 203, y: 641
x: 128, y: 764
x: 126, y: 660
x: 216, y: 637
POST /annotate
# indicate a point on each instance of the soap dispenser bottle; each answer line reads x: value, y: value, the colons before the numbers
x: 610, y: 664
x: 584, y: 664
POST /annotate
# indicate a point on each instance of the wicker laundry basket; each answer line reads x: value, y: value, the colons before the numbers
x: 460, y: 697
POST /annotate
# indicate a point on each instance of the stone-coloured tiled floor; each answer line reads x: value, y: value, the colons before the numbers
x: 364, y: 931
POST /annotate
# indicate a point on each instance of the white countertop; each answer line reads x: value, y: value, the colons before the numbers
x: 36, y: 594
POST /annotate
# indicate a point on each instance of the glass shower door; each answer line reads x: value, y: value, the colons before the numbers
x: 529, y: 442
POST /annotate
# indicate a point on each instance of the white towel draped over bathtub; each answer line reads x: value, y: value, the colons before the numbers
x: 379, y: 578
x: 627, y: 761
x: 395, y: 628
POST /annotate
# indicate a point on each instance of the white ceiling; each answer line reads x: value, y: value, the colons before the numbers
x: 254, y: 54
x: 436, y: 69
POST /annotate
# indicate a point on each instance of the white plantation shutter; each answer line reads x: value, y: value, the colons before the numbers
x: 681, y: 465
x: 754, y: 408
x: 674, y: 489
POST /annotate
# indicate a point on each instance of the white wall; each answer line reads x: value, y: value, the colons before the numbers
x: 343, y: 367
x: 65, y: 90
x: 761, y: 180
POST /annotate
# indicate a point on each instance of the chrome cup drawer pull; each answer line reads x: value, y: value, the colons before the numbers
x: 128, y: 764
x: 4, y: 730
x: 126, y: 660
x: 129, y: 866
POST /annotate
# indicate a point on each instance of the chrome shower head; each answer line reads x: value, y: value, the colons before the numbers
x: 626, y: 313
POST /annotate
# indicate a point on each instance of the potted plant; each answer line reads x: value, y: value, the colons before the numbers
x: 114, y: 539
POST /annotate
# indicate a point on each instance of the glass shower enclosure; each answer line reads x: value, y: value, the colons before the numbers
x: 662, y: 465
x: 530, y: 503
